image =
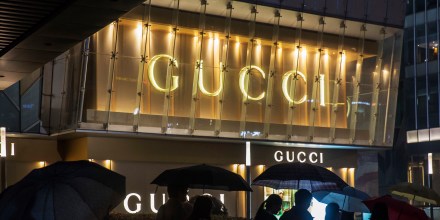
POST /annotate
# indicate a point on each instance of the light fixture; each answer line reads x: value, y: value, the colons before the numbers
x: 3, y: 142
x: 12, y: 149
x: 248, y: 153
x: 430, y: 170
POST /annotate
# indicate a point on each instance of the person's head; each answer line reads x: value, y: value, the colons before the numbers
x: 379, y: 212
x: 332, y: 211
x: 177, y: 192
x: 303, y: 198
x: 273, y: 203
x: 202, y: 207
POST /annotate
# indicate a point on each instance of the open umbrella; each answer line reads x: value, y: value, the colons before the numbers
x: 415, y: 192
x: 64, y: 190
x: 397, y: 210
x: 349, y: 199
x: 297, y: 175
x: 203, y: 177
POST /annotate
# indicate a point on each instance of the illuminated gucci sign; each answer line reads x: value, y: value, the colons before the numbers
x: 243, y: 82
x: 299, y: 156
x: 137, y: 207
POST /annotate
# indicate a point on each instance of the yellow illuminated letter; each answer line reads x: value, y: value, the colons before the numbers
x: 202, y: 87
x: 244, y: 81
x: 285, y: 83
x: 173, y: 62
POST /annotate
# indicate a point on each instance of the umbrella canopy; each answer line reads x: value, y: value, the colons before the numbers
x: 203, y: 177
x: 416, y: 192
x: 397, y: 210
x: 349, y: 199
x: 64, y: 190
x: 297, y: 175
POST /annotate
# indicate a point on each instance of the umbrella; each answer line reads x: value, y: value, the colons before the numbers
x: 349, y: 199
x: 64, y: 190
x: 297, y: 175
x: 397, y: 210
x: 416, y: 192
x: 203, y: 177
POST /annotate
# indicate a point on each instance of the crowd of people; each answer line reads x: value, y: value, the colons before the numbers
x: 178, y: 208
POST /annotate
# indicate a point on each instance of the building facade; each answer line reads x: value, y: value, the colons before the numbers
x: 173, y: 83
x: 420, y: 88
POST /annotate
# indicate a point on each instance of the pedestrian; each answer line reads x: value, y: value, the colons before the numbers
x: 202, y: 209
x: 303, y: 198
x: 269, y: 208
x: 332, y: 211
x: 176, y: 208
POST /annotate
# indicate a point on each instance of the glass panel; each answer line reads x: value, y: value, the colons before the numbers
x: 256, y: 87
x: 126, y: 74
x: 95, y: 99
x: 9, y: 113
x: 211, y: 84
x: 232, y: 94
x: 180, y: 101
x: 152, y: 101
x: 30, y: 107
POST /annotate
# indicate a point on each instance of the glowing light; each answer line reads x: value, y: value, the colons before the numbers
x: 3, y: 142
x: 322, y: 89
x: 138, y: 30
x: 285, y: 86
x: 175, y: 81
x: 304, y: 53
x: 42, y: 163
x: 244, y: 80
x: 138, y: 204
x: 430, y: 170
x: 222, y: 198
x: 108, y: 164
x: 202, y: 86
x: 136, y: 111
x: 248, y: 153
x: 12, y: 149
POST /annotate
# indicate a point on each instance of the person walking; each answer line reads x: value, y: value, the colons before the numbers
x: 202, y: 209
x: 332, y: 211
x: 176, y: 208
x: 303, y: 198
x: 269, y: 208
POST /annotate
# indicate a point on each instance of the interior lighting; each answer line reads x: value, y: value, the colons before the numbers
x: 321, y: 89
x: 12, y: 149
x: 248, y: 153
x: 430, y: 170
x: 3, y: 142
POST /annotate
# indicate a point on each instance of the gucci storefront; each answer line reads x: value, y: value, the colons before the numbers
x: 174, y: 84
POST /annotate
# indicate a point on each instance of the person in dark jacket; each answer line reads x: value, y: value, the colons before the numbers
x: 303, y: 198
x: 269, y: 208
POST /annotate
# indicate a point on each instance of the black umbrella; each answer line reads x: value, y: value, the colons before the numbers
x: 64, y: 190
x: 203, y: 177
x: 297, y: 175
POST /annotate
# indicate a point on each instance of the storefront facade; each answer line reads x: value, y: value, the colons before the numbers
x: 174, y: 84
